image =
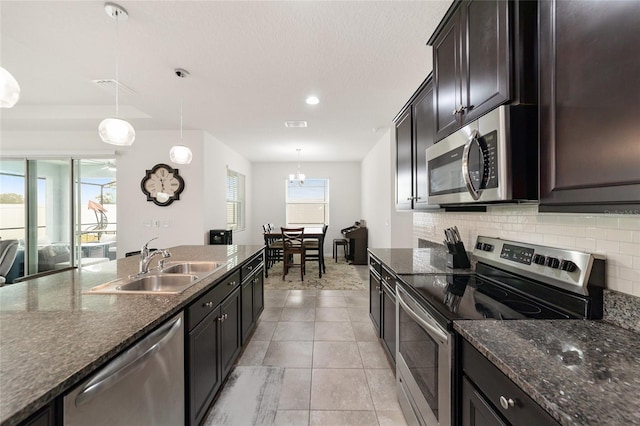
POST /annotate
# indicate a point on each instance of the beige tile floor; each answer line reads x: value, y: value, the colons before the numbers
x: 335, y: 371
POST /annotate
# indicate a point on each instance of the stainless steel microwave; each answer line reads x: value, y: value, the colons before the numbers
x: 493, y: 159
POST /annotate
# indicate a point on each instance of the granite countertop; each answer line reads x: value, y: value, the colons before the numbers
x: 581, y: 372
x: 53, y: 334
x: 407, y: 261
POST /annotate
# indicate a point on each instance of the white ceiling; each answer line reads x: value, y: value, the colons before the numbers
x: 252, y: 65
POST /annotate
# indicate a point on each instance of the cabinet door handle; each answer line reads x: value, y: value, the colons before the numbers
x: 207, y: 305
x: 506, y: 403
x: 250, y: 268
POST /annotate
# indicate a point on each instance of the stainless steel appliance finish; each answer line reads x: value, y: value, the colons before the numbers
x: 423, y: 364
x: 142, y: 386
x: 493, y: 159
x: 512, y: 280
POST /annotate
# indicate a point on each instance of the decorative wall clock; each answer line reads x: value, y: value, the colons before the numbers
x: 162, y: 185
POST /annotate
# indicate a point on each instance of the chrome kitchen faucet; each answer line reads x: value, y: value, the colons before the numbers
x: 146, y: 255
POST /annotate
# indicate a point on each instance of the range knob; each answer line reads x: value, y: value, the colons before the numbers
x: 479, y: 245
x: 553, y: 262
x: 567, y: 265
x: 487, y: 247
x: 538, y: 259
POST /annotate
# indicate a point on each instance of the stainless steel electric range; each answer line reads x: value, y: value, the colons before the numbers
x: 512, y: 280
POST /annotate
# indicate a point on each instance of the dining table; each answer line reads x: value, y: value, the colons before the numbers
x: 310, y: 232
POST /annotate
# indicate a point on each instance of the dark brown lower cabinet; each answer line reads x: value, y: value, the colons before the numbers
x: 45, y: 417
x: 489, y: 397
x: 389, y: 320
x: 213, y: 346
x: 230, y: 339
x: 205, y: 376
x: 252, y: 302
x: 375, y: 299
x: 476, y: 411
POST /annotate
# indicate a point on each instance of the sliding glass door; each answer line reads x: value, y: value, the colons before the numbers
x: 61, y: 211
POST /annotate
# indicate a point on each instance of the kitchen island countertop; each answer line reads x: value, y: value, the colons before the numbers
x: 581, y: 372
x: 53, y: 334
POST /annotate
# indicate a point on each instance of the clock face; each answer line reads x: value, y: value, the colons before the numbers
x: 162, y: 185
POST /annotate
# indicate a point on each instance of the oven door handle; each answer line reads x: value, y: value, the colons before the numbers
x: 432, y: 328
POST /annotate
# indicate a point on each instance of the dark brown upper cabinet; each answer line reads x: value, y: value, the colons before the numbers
x: 589, y: 92
x: 414, y: 134
x: 484, y: 55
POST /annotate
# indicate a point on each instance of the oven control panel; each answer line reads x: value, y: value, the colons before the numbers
x: 568, y: 269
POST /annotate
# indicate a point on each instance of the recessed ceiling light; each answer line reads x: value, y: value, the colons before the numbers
x: 312, y: 100
x: 295, y: 124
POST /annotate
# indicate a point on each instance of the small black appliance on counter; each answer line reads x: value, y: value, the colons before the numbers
x: 221, y: 237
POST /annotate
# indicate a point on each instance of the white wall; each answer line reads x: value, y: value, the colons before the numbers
x: 217, y: 157
x: 377, y: 192
x: 387, y: 227
x: 201, y: 206
x: 182, y: 221
x: 268, y: 183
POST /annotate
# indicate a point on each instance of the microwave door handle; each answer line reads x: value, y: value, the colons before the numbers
x: 432, y: 329
x: 475, y: 193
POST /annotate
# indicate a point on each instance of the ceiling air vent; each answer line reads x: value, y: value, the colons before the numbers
x: 109, y: 85
x: 295, y: 124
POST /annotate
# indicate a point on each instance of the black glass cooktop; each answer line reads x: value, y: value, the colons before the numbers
x: 475, y: 297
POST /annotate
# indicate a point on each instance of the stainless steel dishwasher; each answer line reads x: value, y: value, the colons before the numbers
x: 142, y: 386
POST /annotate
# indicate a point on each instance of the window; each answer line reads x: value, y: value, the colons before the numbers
x: 308, y: 204
x: 235, y: 201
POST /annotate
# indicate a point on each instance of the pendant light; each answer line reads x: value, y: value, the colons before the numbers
x: 114, y: 130
x: 298, y: 177
x: 181, y: 154
x: 9, y: 89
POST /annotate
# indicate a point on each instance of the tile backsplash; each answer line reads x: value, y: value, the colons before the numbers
x: 615, y: 236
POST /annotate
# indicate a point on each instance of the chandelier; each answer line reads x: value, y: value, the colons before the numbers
x: 298, y: 178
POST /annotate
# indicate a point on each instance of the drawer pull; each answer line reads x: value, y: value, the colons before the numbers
x: 232, y: 283
x: 207, y: 305
x: 506, y: 403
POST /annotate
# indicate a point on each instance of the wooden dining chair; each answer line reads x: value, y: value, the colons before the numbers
x: 273, y: 250
x: 312, y: 250
x: 293, y: 243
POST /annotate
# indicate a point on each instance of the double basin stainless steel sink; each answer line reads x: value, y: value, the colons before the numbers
x: 171, y: 278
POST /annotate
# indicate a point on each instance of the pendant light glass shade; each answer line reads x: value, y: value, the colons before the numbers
x: 180, y: 154
x: 116, y: 132
x: 9, y: 89
x: 298, y: 178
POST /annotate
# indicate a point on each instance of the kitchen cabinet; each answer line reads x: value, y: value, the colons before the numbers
x: 46, y: 416
x: 488, y: 397
x: 375, y: 294
x: 214, y: 342
x: 252, y: 295
x: 414, y: 134
x: 483, y: 56
x: 589, y: 150
x: 382, y: 305
x: 388, y: 313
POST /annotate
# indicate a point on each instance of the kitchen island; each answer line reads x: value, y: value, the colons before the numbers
x: 580, y: 372
x: 53, y: 333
